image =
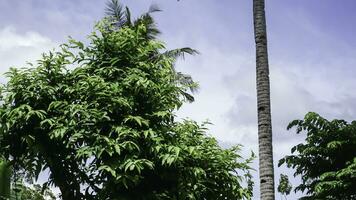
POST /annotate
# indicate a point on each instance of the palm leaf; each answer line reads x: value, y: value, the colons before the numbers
x: 154, y: 8
x: 187, y: 96
x: 176, y: 53
x: 149, y: 22
x: 187, y: 80
x: 115, y: 12
x: 128, y: 16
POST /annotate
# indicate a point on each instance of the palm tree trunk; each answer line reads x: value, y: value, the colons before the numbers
x: 263, y: 103
x: 5, y: 173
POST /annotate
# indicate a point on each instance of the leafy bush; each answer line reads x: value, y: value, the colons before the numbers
x: 327, y: 159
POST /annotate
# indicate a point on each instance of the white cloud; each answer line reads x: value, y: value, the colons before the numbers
x: 16, y: 48
x: 228, y: 96
x: 9, y: 39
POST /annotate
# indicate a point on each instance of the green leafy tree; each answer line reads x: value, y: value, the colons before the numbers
x: 327, y: 159
x: 284, y: 186
x: 100, y: 117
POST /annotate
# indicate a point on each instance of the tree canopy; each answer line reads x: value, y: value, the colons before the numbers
x: 327, y: 159
x: 100, y: 117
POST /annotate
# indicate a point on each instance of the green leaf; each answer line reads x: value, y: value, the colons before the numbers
x: 107, y: 169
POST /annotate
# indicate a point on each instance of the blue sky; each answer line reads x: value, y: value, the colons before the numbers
x: 311, y: 50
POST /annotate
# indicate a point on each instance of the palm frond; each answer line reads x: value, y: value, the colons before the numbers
x: 183, y: 79
x: 149, y: 22
x: 154, y: 8
x: 188, y: 97
x: 187, y: 80
x: 128, y: 16
x: 115, y: 11
x: 176, y: 53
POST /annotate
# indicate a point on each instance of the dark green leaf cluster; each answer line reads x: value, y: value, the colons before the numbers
x: 284, y: 186
x: 100, y: 118
x: 327, y: 160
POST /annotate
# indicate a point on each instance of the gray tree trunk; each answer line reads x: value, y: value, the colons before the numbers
x: 263, y: 103
x: 5, y: 174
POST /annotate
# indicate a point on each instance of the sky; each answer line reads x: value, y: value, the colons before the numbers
x: 311, y: 45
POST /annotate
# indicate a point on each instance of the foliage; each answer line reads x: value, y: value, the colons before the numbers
x: 33, y: 192
x: 284, y: 186
x: 120, y: 17
x: 327, y: 160
x: 19, y: 191
x: 100, y: 118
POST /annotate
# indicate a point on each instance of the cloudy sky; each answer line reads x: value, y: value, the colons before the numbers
x: 311, y: 50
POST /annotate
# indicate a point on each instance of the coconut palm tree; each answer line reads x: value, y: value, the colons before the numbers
x: 263, y: 103
x: 120, y: 16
